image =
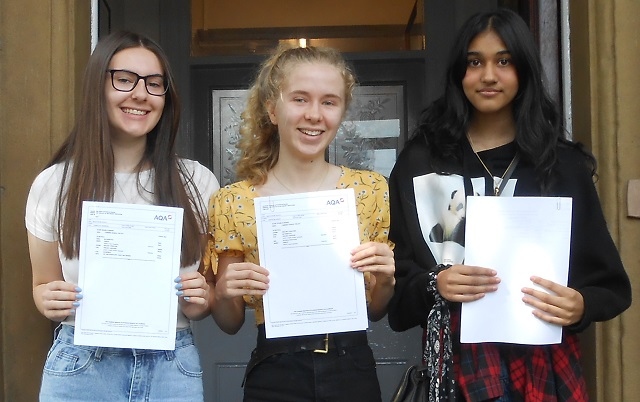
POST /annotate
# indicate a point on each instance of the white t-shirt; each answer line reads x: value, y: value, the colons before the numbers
x: 41, y: 216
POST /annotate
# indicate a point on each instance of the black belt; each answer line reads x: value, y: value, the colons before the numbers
x: 317, y: 343
x: 309, y: 343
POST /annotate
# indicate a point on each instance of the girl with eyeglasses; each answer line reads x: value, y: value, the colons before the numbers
x: 121, y: 149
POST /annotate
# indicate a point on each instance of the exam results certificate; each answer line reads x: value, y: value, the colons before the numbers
x: 519, y: 237
x: 129, y: 258
x: 305, y: 241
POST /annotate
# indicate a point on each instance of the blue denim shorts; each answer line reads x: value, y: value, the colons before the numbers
x: 87, y: 373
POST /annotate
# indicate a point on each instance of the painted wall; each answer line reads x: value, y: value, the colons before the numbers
x: 615, y: 52
x: 605, y: 52
x: 43, y: 49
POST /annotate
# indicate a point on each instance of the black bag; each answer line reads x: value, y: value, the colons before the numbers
x: 413, y: 386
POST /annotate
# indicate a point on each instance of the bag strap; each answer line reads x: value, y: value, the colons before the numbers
x: 509, y: 172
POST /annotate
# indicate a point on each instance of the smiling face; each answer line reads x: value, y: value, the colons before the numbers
x: 132, y: 115
x: 491, y: 79
x: 309, y: 110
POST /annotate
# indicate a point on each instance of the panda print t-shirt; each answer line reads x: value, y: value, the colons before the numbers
x: 440, y: 204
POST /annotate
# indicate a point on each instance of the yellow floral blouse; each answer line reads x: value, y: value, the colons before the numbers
x: 232, y: 223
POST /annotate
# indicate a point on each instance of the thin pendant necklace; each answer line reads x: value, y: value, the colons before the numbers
x: 324, y: 177
x: 127, y: 184
x: 497, y: 187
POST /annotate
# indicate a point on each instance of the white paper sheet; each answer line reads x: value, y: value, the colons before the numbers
x: 305, y: 242
x: 129, y: 258
x: 519, y: 237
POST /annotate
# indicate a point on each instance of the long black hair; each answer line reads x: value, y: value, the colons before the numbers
x: 537, y: 118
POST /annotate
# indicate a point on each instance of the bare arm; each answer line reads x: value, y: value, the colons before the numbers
x: 194, y: 291
x: 235, y: 278
x: 376, y: 258
x: 53, y: 297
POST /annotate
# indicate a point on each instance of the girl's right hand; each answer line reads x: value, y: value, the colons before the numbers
x: 241, y: 278
x: 234, y: 279
x: 465, y: 283
x: 58, y: 299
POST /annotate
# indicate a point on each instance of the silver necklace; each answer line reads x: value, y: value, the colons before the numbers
x: 496, y: 181
x: 122, y: 188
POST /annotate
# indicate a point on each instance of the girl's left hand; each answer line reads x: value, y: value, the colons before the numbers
x: 376, y: 258
x: 561, y: 306
x: 192, y: 288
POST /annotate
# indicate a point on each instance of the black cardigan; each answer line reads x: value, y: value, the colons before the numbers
x: 595, y: 268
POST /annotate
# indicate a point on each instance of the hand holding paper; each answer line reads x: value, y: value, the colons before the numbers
x: 306, y: 241
x: 377, y: 259
x: 560, y: 305
x: 519, y: 237
x: 240, y: 278
x: 135, y: 244
x: 193, y: 291
x: 465, y: 283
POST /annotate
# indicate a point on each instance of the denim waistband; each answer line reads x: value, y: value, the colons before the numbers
x: 64, y: 333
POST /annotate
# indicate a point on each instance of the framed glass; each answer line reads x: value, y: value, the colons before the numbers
x: 369, y: 138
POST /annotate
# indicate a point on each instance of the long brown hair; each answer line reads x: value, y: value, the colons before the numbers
x: 87, y: 153
x: 259, y: 142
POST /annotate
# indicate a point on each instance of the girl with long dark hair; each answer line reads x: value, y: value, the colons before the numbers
x: 496, y: 132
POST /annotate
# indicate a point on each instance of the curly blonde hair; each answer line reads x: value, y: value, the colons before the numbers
x: 259, y: 143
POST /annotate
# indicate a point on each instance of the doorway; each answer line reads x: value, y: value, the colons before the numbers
x: 395, y: 85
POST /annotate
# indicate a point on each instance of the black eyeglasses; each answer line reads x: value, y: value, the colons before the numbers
x: 126, y: 81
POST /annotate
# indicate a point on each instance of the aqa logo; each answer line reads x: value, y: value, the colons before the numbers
x: 335, y: 202
x: 163, y: 218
